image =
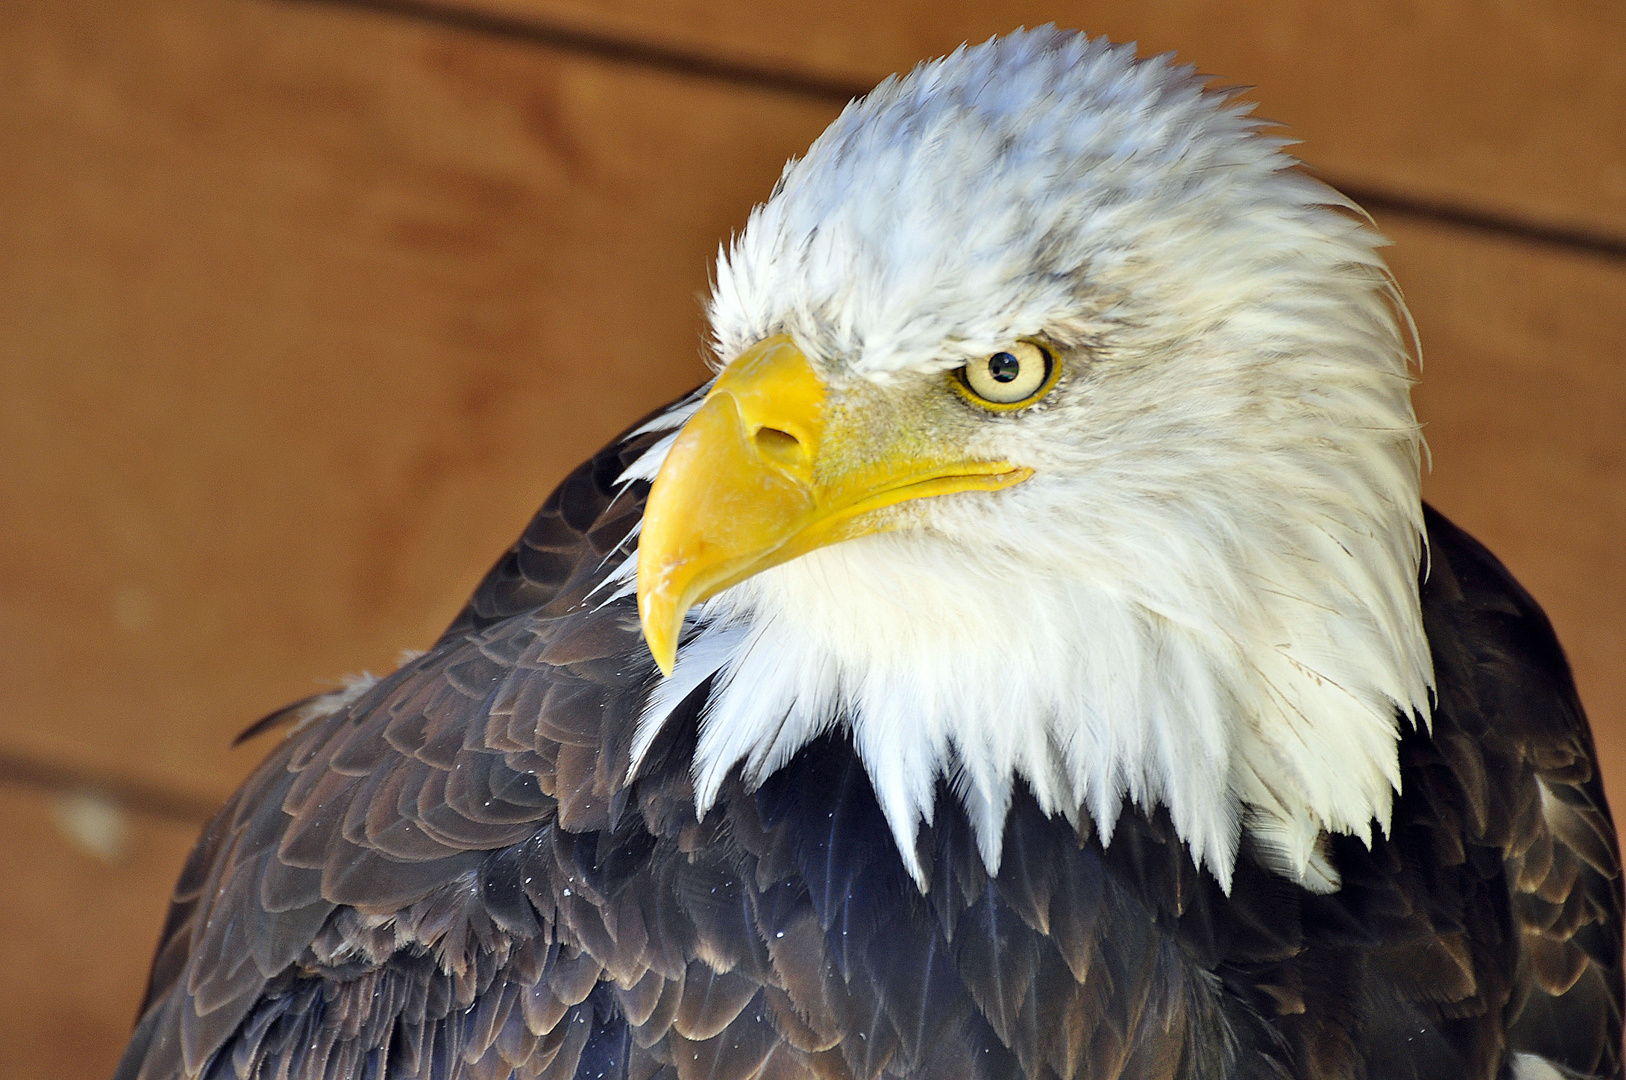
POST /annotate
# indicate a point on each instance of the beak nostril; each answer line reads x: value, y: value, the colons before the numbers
x: 780, y: 446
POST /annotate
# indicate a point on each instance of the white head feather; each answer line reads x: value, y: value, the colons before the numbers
x: 1206, y: 597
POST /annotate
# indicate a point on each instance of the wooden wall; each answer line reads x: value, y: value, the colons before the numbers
x: 305, y: 306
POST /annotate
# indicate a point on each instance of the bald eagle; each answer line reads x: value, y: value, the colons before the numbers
x: 1029, y: 657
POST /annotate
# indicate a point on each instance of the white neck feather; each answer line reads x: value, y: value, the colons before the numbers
x: 1245, y: 670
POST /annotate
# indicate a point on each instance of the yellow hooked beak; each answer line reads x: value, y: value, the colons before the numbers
x: 770, y: 468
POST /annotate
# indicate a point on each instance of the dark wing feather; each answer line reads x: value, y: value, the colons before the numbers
x: 1487, y: 922
x: 1511, y: 732
x: 398, y: 852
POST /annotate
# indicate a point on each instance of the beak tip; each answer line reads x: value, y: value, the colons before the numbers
x: 665, y: 658
x: 659, y: 634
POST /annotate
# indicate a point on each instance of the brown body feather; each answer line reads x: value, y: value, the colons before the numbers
x: 452, y: 876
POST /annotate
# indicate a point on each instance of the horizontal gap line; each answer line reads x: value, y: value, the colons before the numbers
x: 131, y: 794
x: 677, y: 60
x: 1575, y: 239
x: 609, y: 47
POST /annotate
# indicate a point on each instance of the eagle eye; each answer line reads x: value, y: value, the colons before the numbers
x: 1010, y: 378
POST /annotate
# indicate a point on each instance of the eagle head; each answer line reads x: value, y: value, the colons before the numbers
x: 1062, y: 436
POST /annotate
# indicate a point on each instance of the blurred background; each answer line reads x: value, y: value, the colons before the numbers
x: 305, y: 306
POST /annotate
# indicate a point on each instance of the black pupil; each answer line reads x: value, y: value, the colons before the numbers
x: 1004, y: 367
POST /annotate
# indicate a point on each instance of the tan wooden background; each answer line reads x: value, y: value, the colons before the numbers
x: 305, y: 306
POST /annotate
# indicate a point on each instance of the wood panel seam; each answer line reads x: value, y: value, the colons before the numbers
x: 1582, y: 241
x: 132, y: 795
x: 609, y: 47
